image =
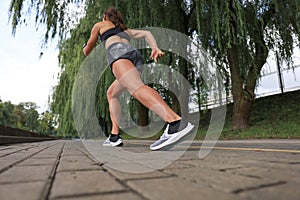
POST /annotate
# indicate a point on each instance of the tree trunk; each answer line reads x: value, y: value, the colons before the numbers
x: 243, y: 92
x: 242, y: 97
x: 143, y: 115
x: 184, y: 94
x: 241, y: 109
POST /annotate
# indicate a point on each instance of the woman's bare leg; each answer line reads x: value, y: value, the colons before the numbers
x: 128, y: 76
x: 113, y: 93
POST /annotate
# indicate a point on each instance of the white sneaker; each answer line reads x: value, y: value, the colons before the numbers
x: 171, y: 139
x: 109, y: 143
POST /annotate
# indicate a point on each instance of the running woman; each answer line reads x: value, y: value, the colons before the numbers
x: 126, y: 63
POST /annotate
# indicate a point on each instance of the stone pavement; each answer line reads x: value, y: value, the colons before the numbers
x: 259, y: 169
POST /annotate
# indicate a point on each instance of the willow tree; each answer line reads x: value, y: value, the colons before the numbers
x: 240, y: 34
x: 57, y: 16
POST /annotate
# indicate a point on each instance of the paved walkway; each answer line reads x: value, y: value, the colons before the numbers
x: 263, y: 169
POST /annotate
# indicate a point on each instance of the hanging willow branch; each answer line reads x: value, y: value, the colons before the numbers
x: 59, y: 21
x: 55, y: 15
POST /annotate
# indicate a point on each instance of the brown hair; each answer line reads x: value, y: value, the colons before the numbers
x: 115, y: 17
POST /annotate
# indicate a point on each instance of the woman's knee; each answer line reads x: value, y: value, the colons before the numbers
x: 114, y: 91
x: 110, y: 93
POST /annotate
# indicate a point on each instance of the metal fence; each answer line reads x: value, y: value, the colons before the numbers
x: 276, y: 82
x: 270, y: 83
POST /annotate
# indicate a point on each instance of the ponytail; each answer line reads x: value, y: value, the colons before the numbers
x: 115, y: 17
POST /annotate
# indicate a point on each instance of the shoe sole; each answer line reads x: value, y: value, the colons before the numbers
x: 175, y: 140
x: 119, y: 143
x: 170, y: 146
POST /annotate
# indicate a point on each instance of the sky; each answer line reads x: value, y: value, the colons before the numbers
x: 26, y: 78
x: 23, y: 76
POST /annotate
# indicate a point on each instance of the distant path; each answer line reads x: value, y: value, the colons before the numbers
x: 10, y: 135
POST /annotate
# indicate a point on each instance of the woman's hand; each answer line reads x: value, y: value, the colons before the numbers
x: 156, y: 53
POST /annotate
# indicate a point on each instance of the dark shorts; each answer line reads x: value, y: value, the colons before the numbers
x: 121, y: 50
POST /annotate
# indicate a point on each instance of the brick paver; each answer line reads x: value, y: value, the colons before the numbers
x: 66, y: 170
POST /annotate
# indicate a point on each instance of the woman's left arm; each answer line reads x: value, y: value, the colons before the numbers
x: 92, y: 41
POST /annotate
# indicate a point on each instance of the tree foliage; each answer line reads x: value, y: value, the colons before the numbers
x: 7, y: 115
x: 26, y: 117
x: 239, y: 34
x: 137, y: 14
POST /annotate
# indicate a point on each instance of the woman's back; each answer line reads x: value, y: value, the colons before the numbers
x: 111, y: 33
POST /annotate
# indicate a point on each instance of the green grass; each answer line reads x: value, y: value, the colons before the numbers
x: 276, y: 117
